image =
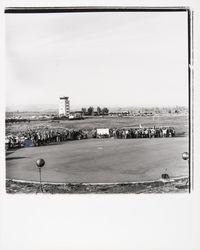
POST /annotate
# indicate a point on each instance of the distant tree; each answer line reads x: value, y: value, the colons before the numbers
x: 98, y: 110
x: 84, y: 111
x: 90, y: 111
x: 157, y: 110
x: 105, y: 111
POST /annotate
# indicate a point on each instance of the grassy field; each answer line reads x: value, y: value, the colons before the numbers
x: 179, y: 122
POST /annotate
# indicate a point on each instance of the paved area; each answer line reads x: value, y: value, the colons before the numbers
x: 101, y: 160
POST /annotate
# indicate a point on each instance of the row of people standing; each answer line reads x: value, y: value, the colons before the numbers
x: 129, y: 133
x: 38, y: 137
x: 142, y: 133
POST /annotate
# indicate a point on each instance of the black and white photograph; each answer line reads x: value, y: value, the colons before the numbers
x: 99, y: 130
x: 98, y: 100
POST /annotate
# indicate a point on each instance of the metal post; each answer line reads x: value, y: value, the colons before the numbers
x: 40, y: 163
x: 40, y: 174
x: 185, y: 156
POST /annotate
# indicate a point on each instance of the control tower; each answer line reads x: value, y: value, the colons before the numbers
x: 64, y: 108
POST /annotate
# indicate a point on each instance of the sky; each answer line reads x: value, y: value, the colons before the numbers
x: 106, y: 59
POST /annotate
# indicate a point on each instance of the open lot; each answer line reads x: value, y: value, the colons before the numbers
x: 101, y: 160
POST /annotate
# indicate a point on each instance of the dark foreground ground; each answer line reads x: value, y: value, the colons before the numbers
x: 179, y: 185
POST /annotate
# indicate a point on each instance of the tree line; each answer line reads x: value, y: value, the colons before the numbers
x: 99, y: 111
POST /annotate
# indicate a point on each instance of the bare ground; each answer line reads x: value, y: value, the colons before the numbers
x: 179, y: 185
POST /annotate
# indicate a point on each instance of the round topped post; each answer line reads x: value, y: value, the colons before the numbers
x: 40, y: 163
x: 186, y: 157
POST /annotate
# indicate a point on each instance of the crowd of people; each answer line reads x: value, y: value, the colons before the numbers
x: 39, y: 137
x: 142, y: 132
x: 139, y: 133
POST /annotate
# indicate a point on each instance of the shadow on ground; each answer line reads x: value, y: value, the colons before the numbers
x: 15, y: 158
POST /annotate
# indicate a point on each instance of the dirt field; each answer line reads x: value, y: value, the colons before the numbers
x: 101, y: 160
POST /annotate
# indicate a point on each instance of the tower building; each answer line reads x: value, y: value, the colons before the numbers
x: 64, y: 107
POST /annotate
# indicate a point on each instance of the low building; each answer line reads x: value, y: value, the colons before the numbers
x: 76, y: 115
